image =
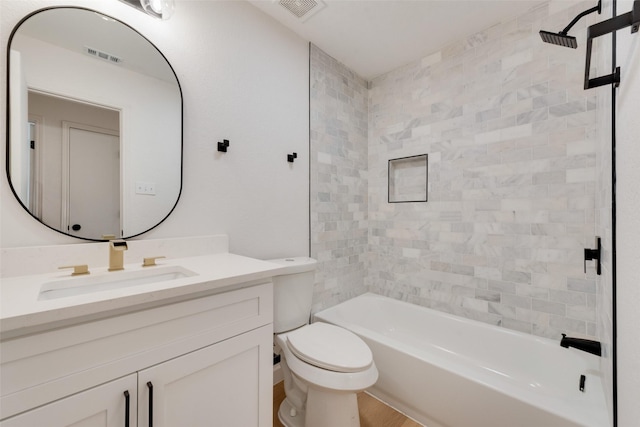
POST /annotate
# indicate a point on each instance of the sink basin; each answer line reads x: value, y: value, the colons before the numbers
x: 108, y: 281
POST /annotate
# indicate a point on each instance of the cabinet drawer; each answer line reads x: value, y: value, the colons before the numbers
x: 43, y: 367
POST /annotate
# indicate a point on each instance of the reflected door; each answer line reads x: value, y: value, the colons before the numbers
x: 94, y: 203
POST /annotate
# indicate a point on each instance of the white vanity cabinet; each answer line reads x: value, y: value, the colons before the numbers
x: 105, y: 405
x: 197, y: 362
x: 218, y: 385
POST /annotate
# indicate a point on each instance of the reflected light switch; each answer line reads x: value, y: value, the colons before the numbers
x: 145, y: 188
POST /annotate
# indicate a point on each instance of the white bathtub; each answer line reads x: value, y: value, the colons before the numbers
x: 447, y: 371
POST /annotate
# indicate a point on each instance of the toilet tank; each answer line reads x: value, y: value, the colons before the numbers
x: 292, y: 293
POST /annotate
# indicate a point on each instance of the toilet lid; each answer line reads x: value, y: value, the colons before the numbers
x: 330, y: 347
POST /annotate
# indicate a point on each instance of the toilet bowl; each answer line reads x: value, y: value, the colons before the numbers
x: 323, y: 365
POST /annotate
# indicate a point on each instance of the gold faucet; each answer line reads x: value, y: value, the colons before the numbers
x: 150, y: 261
x: 116, y: 254
x: 78, y: 270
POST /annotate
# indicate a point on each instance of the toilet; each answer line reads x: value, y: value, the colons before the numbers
x: 324, y: 366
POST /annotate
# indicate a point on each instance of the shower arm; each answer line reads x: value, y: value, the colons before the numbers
x: 577, y: 18
x: 629, y: 19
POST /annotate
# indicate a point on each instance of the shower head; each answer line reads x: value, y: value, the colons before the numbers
x: 559, y: 39
x: 562, y: 38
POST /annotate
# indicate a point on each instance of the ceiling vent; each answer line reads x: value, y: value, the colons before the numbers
x: 303, y: 9
x: 102, y: 55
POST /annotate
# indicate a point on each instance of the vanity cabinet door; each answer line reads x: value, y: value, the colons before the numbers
x: 101, y: 406
x: 228, y: 384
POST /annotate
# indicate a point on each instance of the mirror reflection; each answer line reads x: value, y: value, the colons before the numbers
x: 95, y: 125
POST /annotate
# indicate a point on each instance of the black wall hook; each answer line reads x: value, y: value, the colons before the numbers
x: 222, y: 146
x: 292, y: 157
x: 594, y: 254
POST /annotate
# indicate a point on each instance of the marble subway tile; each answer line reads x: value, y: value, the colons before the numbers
x: 338, y: 180
x: 565, y: 109
x: 511, y: 138
x: 550, y: 100
x: 548, y: 307
x: 565, y: 324
x: 581, y: 285
x: 488, y: 295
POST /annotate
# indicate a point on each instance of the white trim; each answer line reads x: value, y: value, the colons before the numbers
x: 35, y: 178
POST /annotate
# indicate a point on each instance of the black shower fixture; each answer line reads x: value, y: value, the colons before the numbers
x: 594, y: 254
x: 562, y: 38
x: 629, y: 19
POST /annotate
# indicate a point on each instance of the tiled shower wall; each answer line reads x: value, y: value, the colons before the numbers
x: 510, y: 134
x: 338, y: 122
x: 511, y: 138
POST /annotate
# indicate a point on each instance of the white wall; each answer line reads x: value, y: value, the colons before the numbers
x: 628, y: 224
x: 244, y: 78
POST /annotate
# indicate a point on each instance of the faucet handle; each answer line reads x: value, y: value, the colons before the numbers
x: 594, y: 254
x: 118, y: 245
x: 151, y: 261
x: 78, y: 270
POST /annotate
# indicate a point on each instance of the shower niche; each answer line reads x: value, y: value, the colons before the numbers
x: 408, y: 179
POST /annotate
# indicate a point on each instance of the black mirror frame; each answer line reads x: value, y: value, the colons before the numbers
x: 8, y: 122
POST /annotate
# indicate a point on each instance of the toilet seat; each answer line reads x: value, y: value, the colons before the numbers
x: 330, y: 347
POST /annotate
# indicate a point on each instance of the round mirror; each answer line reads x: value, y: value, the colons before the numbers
x: 94, y: 126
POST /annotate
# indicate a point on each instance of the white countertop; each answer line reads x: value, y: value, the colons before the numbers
x: 22, y: 312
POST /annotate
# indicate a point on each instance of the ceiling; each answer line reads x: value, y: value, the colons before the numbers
x: 372, y: 37
x: 76, y: 29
